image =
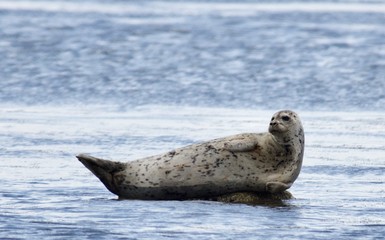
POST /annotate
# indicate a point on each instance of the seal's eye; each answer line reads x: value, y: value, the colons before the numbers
x: 272, y: 118
x: 285, y: 118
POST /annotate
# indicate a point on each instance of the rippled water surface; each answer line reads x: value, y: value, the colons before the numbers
x: 317, y: 55
x: 127, y: 79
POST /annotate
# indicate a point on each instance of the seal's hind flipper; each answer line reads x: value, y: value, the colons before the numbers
x: 103, y: 169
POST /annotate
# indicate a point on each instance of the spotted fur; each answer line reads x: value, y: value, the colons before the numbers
x: 248, y: 162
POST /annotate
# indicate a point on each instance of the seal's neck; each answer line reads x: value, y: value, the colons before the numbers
x: 289, y: 140
x: 282, y: 139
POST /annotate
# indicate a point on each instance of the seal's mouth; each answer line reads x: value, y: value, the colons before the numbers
x: 276, y: 127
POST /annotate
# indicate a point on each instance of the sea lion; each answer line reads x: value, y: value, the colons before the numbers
x: 249, y: 162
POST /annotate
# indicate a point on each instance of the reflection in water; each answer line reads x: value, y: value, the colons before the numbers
x: 257, y: 199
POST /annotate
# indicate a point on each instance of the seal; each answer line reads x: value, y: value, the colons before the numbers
x: 267, y: 162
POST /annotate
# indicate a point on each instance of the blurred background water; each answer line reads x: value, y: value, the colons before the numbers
x: 127, y: 79
x: 323, y: 56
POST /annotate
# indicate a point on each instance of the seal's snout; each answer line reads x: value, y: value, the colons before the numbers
x: 274, y: 126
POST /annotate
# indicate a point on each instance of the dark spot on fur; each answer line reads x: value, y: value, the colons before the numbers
x: 172, y: 153
x: 194, y: 158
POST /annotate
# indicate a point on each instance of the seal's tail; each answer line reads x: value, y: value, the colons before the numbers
x: 103, y: 169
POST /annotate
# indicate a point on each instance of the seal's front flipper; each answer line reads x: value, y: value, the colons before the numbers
x: 240, y: 145
x: 103, y: 169
x: 277, y: 187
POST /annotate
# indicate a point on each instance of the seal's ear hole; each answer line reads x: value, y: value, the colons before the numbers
x: 285, y: 118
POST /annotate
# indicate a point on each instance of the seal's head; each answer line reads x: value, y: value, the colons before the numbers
x: 285, y: 126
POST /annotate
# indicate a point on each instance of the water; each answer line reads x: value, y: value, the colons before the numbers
x: 47, y: 192
x: 124, y: 80
x: 325, y: 56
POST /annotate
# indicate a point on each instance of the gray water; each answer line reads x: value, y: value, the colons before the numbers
x: 323, y: 56
x: 128, y: 79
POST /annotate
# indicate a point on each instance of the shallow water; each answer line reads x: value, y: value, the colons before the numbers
x: 123, y: 80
